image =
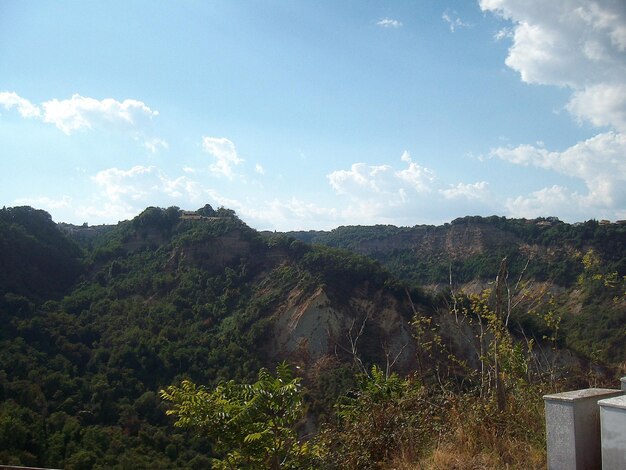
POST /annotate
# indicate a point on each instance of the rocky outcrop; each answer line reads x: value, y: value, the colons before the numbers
x: 459, y: 241
x: 370, y: 325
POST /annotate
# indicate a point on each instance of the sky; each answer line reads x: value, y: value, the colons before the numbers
x: 306, y: 115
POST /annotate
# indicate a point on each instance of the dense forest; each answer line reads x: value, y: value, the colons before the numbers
x: 98, y: 322
x: 471, y: 248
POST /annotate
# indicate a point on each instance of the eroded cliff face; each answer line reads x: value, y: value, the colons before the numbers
x: 369, y: 324
x: 453, y: 242
x: 214, y: 255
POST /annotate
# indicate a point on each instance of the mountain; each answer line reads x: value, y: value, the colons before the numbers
x: 96, y: 320
x: 37, y: 260
x: 470, y: 248
x: 164, y: 296
x: 578, y: 271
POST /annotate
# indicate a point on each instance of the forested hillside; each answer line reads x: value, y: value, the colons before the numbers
x: 470, y: 248
x: 89, y: 337
x: 97, y: 320
x: 577, y: 270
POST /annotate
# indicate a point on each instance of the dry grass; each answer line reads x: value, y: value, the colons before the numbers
x: 480, y: 437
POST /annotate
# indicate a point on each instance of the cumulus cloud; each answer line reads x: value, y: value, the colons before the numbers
x: 142, y: 183
x: 389, y: 23
x: 418, y: 177
x: 578, y: 44
x: 548, y: 201
x: 120, y: 194
x: 598, y: 162
x: 259, y: 169
x: 378, y: 193
x: 81, y: 113
x: 225, y: 154
x: 601, y: 105
x: 23, y: 106
x: 360, y: 178
x: 123, y: 193
x: 289, y: 214
x: 120, y: 185
x: 363, y: 180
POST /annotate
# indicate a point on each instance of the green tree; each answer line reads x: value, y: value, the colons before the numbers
x: 252, y: 426
x: 384, y: 417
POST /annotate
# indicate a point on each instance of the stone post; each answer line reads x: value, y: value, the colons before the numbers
x: 623, y: 380
x: 613, y: 430
x: 573, y: 428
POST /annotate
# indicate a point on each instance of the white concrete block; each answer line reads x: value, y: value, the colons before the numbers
x: 613, y: 430
x: 573, y: 428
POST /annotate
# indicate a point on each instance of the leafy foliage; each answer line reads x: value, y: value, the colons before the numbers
x: 253, y: 426
x: 427, y: 254
x: 92, y: 332
x: 37, y: 260
x: 382, y: 418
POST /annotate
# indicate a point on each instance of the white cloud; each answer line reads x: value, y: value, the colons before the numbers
x: 225, y: 154
x: 276, y: 214
x: 418, y: 177
x: 45, y: 202
x: 123, y: 193
x: 359, y: 178
x: 24, y: 107
x: 120, y: 185
x: 81, y: 112
x: 504, y: 33
x: 372, y: 181
x: 601, y: 105
x: 106, y: 212
x: 579, y: 44
x: 182, y: 187
x: 389, y: 23
x: 142, y: 183
x: 383, y: 194
x: 475, y: 191
x: 374, y: 194
x: 555, y: 200
x: 153, y: 145
x: 259, y: 169
x: 599, y: 162
x: 454, y: 22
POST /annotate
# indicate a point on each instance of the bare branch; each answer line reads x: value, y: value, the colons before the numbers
x: 389, y: 366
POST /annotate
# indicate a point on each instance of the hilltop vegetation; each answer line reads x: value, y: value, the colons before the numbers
x: 471, y: 248
x: 37, y: 260
x: 578, y: 269
x: 154, y: 300
x: 97, y: 320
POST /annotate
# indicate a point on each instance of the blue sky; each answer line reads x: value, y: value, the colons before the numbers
x: 316, y: 114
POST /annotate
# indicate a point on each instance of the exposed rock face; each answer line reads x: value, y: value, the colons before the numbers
x: 459, y: 241
x: 370, y: 325
x: 213, y: 255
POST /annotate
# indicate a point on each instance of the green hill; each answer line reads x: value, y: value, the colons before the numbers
x: 97, y: 320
